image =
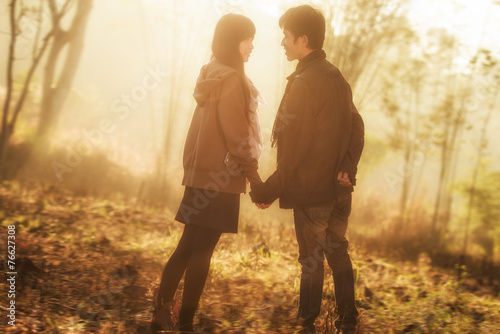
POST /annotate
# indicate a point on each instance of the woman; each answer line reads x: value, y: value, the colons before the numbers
x: 221, y: 153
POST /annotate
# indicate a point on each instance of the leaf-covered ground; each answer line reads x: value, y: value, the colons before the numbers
x: 91, y: 266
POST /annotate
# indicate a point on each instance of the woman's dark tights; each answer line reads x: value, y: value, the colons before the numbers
x: 192, y: 255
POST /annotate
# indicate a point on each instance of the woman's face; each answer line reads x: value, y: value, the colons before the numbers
x: 246, y: 47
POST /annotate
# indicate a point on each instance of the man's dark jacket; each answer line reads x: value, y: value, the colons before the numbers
x: 319, y: 134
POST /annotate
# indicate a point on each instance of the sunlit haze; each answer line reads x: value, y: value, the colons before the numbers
x: 97, y: 155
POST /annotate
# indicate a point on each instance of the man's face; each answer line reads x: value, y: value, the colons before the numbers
x: 293, y: 48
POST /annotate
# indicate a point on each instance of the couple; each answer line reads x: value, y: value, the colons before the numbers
x: 319, y: 137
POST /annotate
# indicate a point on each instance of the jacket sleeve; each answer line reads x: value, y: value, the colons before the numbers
x: 295, y: 137
x: 356, y: 143
x: 235, y: 127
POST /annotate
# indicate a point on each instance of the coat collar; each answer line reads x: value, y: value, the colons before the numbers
x: 302, y: 64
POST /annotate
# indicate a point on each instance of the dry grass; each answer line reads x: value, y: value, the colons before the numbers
x: 91, y: 266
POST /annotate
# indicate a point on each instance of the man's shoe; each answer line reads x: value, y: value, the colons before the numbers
x: 311, y: 329
x: 186, y: 328
x: 346, y: 325
x: 349, y: 328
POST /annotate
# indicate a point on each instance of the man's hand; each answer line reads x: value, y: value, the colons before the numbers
x: 263, y: 206
x: 259, y: 196
x: 344, y: 180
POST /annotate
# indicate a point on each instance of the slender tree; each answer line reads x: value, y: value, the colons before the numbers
x: 359, y: 34
x: 12, y: 107
x: 10, y: 68
x: 402, y: 103
x: 489, y: 67
x: 55, y: 89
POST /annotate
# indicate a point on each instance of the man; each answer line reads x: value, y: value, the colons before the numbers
x: 319, y: 137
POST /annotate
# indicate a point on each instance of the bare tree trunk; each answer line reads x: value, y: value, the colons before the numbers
x: 147, y: 58
x: 458, y: 124
x: 9, y: 126
x: 472, y: 192
x: 443, y: 204
x: 403, y: 201
x: 37, y: 56
x: 179, y: 65
x: 54, y: 95
x: 10, y: 67
x: 451, y: 123
x: 436, y: 217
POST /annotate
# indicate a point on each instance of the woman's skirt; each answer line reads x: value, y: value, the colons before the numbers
x: 217, y: 210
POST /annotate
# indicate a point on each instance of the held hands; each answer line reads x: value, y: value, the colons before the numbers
x: 344, y: 180
x: 259, y: 196
x: 263, y: 206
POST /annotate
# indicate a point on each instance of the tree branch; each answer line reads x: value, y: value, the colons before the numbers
x: 38, y: 30
x: 24, y: 93
x: 66, y: 7
x: 54, y: 14
x: 10, y: 68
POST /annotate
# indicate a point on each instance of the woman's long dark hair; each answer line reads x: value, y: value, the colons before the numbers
x: 229, y: 32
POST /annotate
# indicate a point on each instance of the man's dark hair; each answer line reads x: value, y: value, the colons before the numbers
x: 229, y: 32
x: 305, y: 20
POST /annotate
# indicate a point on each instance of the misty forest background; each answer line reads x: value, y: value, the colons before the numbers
x: 96, y: 101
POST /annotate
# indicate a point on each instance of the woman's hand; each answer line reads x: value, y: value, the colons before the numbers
x: 259, y: 195
x: 263, y: 206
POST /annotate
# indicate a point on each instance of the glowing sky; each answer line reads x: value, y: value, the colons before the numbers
x: 475, y: 23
